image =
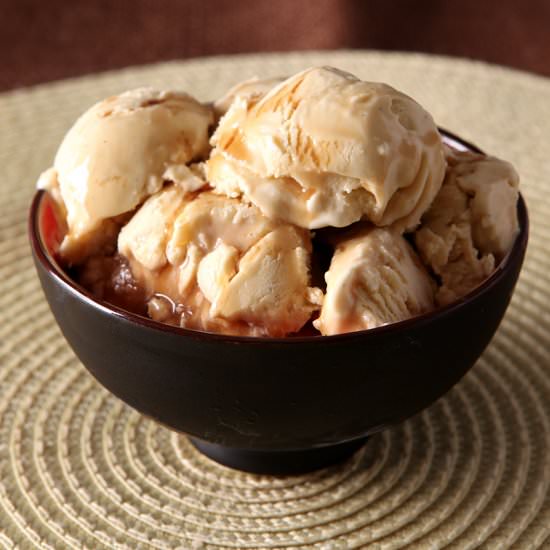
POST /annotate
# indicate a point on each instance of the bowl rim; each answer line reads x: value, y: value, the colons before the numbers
x: 52, y: 267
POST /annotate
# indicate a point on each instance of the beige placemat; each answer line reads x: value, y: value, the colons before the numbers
x: 79, y: 469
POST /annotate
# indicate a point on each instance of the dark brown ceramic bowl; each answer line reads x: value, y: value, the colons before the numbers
x: 275, y: 405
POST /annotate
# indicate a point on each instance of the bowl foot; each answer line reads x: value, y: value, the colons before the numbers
x: 278, y: 462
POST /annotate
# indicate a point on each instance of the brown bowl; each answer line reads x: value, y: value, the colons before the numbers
x: 275, y: 405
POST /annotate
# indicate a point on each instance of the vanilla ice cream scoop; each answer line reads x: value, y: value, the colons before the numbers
x: 121, y: 151
x: 224, y: 264
x: 471, y: 223
x: 375, y: 278
x: 326, y: 149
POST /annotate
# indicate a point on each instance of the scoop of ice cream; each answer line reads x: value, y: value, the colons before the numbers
x: 491, y: 185
x: 121, y: 151
x: 144, y: 237
x: 249, y: 92
x: 326, y: 149
x: 227, y: 266
x: 472, y: 222
x: 265, y: 286
x: 375, y: 278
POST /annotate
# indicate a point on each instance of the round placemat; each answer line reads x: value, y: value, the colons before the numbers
x: 79, y: 469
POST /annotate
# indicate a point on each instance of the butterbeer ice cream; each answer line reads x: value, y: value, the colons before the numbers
x: 316, y: 204
x: 324, y: 148
x: 375, y: 278
x: 472, y: 223
x: 224, y: 260
x: 118, y: 153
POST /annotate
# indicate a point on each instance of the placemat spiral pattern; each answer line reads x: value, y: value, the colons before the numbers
x: 79, y: 469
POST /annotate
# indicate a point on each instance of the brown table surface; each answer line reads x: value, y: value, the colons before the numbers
x: 43, y: 41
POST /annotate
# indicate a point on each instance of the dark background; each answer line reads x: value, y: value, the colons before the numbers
x: 42, y: 40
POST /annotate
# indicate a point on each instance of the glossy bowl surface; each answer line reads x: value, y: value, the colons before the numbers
x: 269, y: 400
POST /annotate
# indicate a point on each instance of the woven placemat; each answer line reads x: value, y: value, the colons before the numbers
x: 79, y: 469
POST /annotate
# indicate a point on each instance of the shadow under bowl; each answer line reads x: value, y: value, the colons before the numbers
x: 275, y: 405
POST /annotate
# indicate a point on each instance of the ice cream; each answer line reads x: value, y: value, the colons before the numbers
x: 222, y: 263
x: 375, y: 278
x: 471, y: 224
x: 118, y: 153
x: 317, y: 201
x: 145, y: 237
x: 248, y: 93
x: 326, y: 149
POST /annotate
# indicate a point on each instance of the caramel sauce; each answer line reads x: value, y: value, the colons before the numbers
x: 126, y: 284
